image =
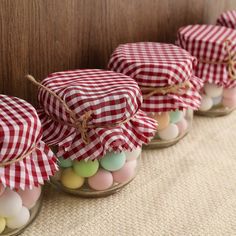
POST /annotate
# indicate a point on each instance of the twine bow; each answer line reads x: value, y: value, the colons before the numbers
x: 79, y: 124
x: 230, y: 60
x: 176, y: 89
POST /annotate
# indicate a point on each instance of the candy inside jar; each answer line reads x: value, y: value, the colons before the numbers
x: 18, y: 208
x: 97, y: 178
x: 217, y: 101
x: 173, y: 126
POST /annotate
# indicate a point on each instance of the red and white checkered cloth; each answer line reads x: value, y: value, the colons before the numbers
x: 227, y: 19
x: 207, y: 42
x: 20, y: 132
x: 159, y: 65
x: 111, y: 97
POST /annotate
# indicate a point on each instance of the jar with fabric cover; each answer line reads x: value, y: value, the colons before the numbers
x: 164, y: 73
x: 227, y: 19
x: 215, y: 49
x: 93, y: 121
x: 25, y: 163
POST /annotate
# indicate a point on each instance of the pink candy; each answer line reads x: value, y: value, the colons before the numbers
x: 125, y: 173
x: 182, y: 125
x: 30, y: 196
x: 229, y: 93
x: 229, y: 102
x: 102, y: 180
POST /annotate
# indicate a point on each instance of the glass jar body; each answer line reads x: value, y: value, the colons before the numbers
x: 18, y: 209
x: 97, y: 178
x: 217, y: 101
x: 172, y: 126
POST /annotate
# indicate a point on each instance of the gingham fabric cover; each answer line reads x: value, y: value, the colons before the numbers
x: 111, y: 96
x: 227, y: 19
x: 20, y: 131
x: 206, y: 42
x: 159, y: 65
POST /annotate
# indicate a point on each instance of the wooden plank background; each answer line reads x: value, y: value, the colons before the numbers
x: 44, y: 36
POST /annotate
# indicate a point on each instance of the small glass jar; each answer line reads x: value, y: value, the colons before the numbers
x: 97, y: 178
x: 172, y: 126
x: 18, y: 209
x: 217, y: 101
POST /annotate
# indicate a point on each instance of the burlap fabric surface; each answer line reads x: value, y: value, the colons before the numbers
x: 187, y: 189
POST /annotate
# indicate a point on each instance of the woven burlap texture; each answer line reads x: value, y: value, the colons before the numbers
x: 187, y: 189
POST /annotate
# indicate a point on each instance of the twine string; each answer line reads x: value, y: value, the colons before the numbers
x: 230, y: 60
x: 176, y: 89
x: 3, y: 164
x: 79, y: 124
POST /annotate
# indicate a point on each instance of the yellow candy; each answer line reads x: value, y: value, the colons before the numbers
x: 162, y: 119
x: 2, y: 224
x: 71, y: 180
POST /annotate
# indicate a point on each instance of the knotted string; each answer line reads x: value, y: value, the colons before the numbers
x: 79, y: 124
x: 176, y: 89
x: 230, y: 60
x: 3, y: 164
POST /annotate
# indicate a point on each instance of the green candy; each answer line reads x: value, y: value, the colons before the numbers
x: 113, y: 161
x: 176, y: 116
x: 86, y: 168
x: 64, y: 163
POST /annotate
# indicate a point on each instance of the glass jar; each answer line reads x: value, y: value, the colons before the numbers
x: 172, y: 126
x: 18, y: 209
x: 217, y: 101
x: 97, y: 178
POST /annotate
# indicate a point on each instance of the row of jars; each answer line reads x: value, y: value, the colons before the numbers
x: 96, y: 121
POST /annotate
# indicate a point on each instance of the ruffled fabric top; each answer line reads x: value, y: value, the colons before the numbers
x: 25, y: 160
x: 159, y: 65
x: 215, y: 48
x: 112, y: 101
x: 227, y: 19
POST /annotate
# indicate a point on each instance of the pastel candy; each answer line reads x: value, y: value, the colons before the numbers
x: 10, y: 203
x: 176, y: 116
x: 18, y: 220
x: 65, y: 163
x: 70, y: 179
x: 126, y: 173
x: 229, y: 92
x: 162, y: 119
x: 182, y: 125
x: 130, y: 156
x: 102, y: 180
x: 229, y: 102
x: 217, y: 100
x: 171, y: 132
x: 206, y: 103
x: 213, y: 90
x: 30, y: 196
x: 2, y: 224
x: 113, y: 161
x: 85, y: 168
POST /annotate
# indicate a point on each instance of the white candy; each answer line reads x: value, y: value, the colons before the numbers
x: 213, y: 90
x: 10, y: 203
x: 216, y: 100
x: 206, y: 103
x: 133, y: 155
x: 171, y: 132
x: 19, y: 220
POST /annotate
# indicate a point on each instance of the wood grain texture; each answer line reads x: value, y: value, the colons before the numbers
x: 43, y: 36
